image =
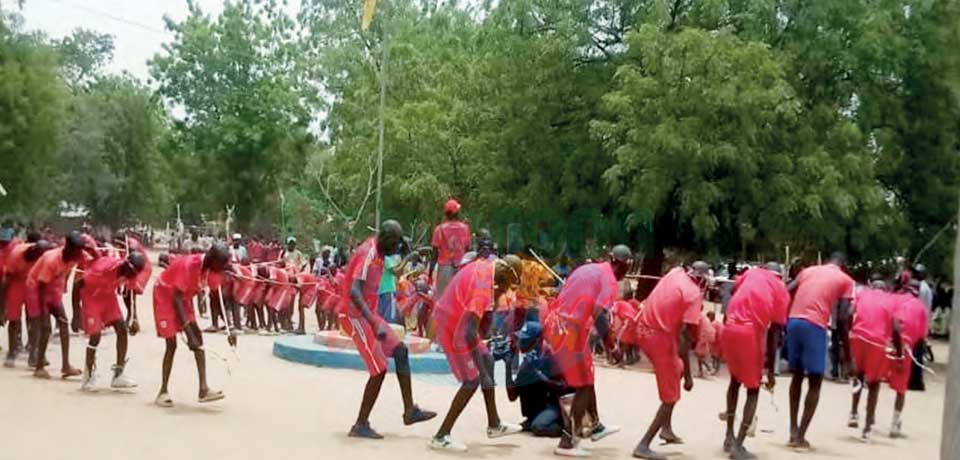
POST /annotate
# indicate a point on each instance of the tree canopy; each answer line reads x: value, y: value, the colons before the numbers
x: 730, y: 128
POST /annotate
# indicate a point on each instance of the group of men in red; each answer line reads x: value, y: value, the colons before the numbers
x: 664, y: 325
x: 33, y: 278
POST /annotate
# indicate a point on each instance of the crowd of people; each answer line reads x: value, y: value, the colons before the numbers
x: 478, y: 306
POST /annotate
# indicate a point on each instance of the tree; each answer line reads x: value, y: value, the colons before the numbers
x: 32, y: 107
x: 236, y: 78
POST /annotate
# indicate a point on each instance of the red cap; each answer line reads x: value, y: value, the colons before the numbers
x: 452, y: 207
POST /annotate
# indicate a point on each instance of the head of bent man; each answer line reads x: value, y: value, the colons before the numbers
x: 74, y: 246
x: 389, y: 237
x: 620, y: 257
x: 699, y: 272
x: 34, y: 252
x: 132, y: 265
x: 216, y: 258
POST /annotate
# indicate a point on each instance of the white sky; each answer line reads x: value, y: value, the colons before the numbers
x: 137, y: 25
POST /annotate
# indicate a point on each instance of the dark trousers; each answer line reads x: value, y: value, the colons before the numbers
x: 916, y: 373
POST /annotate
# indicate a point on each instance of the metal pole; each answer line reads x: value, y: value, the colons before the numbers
x: 383, y: 103
x: 949, y: 441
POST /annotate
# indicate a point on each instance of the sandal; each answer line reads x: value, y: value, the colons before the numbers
x: 212, y: 395
x: 163, y: 400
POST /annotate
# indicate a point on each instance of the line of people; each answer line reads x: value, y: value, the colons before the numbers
x: 664, y: 326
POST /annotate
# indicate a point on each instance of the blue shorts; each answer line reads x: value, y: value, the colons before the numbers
x: 806, y: 347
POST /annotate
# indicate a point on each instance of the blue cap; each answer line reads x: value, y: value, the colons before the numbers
x: 6, y: 234
x: 528, y: 334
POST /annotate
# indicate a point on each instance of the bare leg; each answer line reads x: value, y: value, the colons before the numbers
x: 749, y: 411
x: 65, y: 367
x: 810, y: 407
x: 872, y: 396
x: 733, y: 393
x: 643, y: 449
x: 460, y: 400
x: 796, y: 388
x: 370, y: 395
x: 579, y: 408
x: 168, y: 355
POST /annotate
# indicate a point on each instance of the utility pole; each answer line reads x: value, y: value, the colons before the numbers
x: 949, y: 441
x: 385, y: 58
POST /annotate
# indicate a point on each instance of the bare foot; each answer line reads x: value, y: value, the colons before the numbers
x: 645, y: 453
x: 799, y: 443
x: 669, y: 438
x: 728, y: 444
x: 741, y: 453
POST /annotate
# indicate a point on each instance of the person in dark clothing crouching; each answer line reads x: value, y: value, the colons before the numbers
x: 536, y: 385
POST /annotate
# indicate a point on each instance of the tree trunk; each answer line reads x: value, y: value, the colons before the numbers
x: 950, y: 441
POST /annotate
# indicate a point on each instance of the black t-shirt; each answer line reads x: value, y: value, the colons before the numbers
x: 535, y: 394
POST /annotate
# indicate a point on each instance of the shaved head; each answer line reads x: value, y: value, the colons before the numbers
x: 389, y: 237
x: 621, y: 252
x: 217, y: 257
x: 774, y: 267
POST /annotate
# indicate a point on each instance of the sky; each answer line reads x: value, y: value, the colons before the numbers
x: 137, y: 25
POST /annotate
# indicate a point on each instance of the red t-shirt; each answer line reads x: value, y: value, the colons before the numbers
x: 818, y: 289
x: 913, y: 317
x: 4, y: 252
x: 470, y: 292
x: 102, y: 277
x: 185, y: 274
x: 589, y: 287
x: 674, y: 301
x: 451, y: 238
x: 873, y: 315
x: 759, y: 298
x: 366, y: 264
x: 16, y: 264
x: 51, y: 269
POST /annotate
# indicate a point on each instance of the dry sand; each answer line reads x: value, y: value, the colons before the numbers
x: 277, y: 409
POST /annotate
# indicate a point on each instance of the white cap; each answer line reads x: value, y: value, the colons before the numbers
x: 237, y: 236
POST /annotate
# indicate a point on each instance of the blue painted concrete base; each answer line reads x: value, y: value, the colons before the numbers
x: 302, y: 349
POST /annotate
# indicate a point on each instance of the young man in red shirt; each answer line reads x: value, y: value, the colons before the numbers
x: 374, y: 339
x: 173, y: 313
x: 46, y: 284
x: 914, y: 320
x: 450, y: 241
x: 458, y: 312
x: 816, y: 290
x: 756, y: 315
x: 99, y: 308
x: 584, y: 302
x: 666, y: 330
x: 18, y: 262
x: 873, y: 328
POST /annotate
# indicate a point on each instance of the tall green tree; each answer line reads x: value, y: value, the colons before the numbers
x: 235, y: 77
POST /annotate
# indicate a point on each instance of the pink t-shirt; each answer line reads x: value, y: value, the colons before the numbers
x: 588, y: 287
x: 470, y: 292
x: 873, y: 316
x: 674, y: 301
x: 451, y: 238
x: 818, y: 289
x: 759, y: 298
x: 913, y: 317
x: 366, y: 265
x: 185, y: 274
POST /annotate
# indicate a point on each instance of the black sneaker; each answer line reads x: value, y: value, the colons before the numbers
x: 364, y: 431
x: 417, y: 415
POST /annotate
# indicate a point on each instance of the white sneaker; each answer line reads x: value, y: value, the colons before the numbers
x: 866, y: 437
x: 89, y: 382
x: 448, y: 444
x: 123, y: 382
x: 603, y: 431
x: 163, y: 400
x: 575, y: 451
x: 854, y: 420
x: 896, y: 429
x: 505, y: 429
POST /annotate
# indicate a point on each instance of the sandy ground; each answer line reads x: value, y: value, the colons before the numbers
x: 277, y: 409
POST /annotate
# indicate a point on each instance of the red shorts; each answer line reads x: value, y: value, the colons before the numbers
x: 459, y: 354
x: 15, y: 298
x: 164, y: 313
x: 899, y: 376
x: 374, y: 352
x: 308, y: 297
x: 871, y: 360
x: 746, y: 362
x: 661, y: 350
x: 50, y: 297
x: 99, y: 310
x: 571, y: 352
